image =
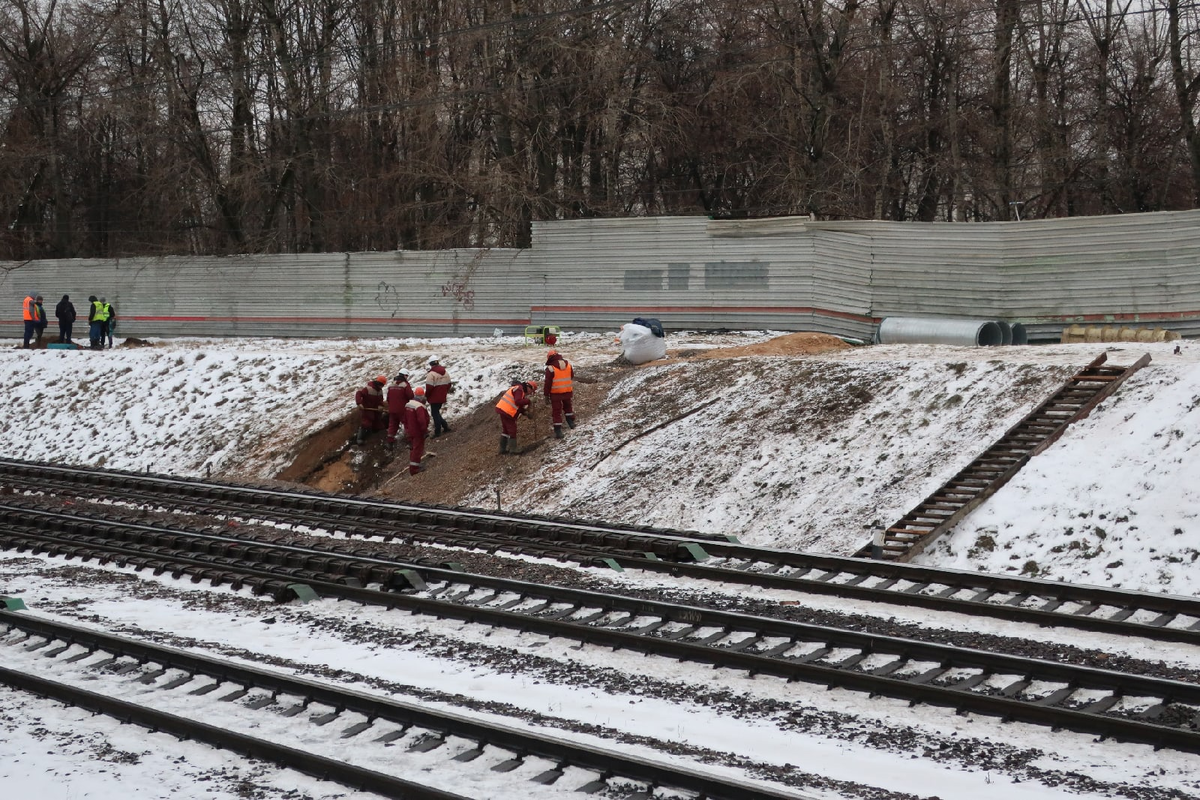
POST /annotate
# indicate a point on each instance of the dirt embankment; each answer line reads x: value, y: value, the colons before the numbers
x: 467, y: 456
x: 793, y: 344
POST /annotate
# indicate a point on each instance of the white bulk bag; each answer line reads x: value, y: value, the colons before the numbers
x: 639, y: 344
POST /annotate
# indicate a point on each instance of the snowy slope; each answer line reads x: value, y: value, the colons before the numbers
x: 807, y: 452
x: 1114, y: 502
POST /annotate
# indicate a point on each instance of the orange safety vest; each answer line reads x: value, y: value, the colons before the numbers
x: 508, y: 403
x: 30, y: 309
x: 560, y: 382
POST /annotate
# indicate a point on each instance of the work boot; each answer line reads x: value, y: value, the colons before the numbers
x: 358, y: 437
x: 571, y: 423
x: 558, y: 433
x: 503, y: 445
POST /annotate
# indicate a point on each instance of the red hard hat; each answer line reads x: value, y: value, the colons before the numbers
x: 381, y: 378
x: 419, y: 391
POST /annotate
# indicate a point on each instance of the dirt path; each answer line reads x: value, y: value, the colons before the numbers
x: 465, y: 458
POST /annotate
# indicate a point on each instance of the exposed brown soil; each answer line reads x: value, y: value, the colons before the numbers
x: 793, y: 344
x: 329, y: 460
x: 456, y: 463
x: 468, y: 455
x: 459, y: 462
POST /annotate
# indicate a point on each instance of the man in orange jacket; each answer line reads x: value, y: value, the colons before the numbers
x: 513, y: 404
x: 34, y: 316
x: 560, y: 391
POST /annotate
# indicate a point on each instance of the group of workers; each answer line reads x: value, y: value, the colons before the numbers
x: 102, y: 320
x: 414, y: 408
x: 405, y: 406
x: 558, y: 387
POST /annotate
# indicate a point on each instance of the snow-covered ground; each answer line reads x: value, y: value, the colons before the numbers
x: 807, y: 452
x: 628, y: 703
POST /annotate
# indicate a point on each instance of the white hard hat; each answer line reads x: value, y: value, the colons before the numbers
x: 434, y: 360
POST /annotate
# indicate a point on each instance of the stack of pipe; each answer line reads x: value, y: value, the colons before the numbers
x: 961, y: 332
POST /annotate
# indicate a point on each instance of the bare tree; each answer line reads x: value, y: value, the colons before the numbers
x: 45, y: 50
x: 1183, y: 28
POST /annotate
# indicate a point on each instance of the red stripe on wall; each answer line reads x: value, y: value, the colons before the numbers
x: 337, y: 320
x: 642, y: 310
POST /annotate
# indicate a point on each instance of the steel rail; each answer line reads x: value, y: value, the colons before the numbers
x: 252, y: 747
x: 458, y: 598
x: 523, y: 743
x: 279, y: 583
x: 1044, y: 603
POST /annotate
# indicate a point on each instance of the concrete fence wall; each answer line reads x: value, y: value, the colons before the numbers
x: 690, y: 272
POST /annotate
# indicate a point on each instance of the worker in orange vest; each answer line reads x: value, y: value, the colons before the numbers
x: 416, y: 428
x: 513, y: 404
x: 369, y: 400
x: 560, y: 391
x: 34, y: 316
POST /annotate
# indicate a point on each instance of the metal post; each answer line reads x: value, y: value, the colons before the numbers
x: 877, y: 540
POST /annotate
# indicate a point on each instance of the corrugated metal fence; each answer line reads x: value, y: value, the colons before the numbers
x: 690, y: 272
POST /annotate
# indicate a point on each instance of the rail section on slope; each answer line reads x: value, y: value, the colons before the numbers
x: 979, y: 480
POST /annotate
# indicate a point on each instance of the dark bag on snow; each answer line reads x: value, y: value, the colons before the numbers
x: 654, y: 325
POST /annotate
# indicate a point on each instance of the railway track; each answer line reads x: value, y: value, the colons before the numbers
x: 1153, y: 616
x: 1137, y: 708
x: 456, y: 743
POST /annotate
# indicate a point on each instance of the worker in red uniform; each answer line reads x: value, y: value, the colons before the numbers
x: 437, y: 388
x: 513, y: 404
x: 560, y: 392
x: 399, y: 393
x: 369, y: 400
x: 416, y: 428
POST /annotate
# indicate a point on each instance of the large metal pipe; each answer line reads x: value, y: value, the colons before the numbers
x: 1019, y: 334
x: 962, y: 332
x: 1006, y: 332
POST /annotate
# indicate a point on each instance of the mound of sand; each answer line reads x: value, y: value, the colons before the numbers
x: 793, y: 344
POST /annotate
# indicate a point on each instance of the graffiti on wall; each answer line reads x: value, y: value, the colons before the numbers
x: 387, y: 297
x: 463, y: 295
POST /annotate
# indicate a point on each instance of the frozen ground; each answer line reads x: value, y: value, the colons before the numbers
x: 652, y: 708
x: 805, y: 452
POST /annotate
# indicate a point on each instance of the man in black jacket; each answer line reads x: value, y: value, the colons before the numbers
x: 110, y: 322
x: 40, y: 326
x: 65, y: 311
